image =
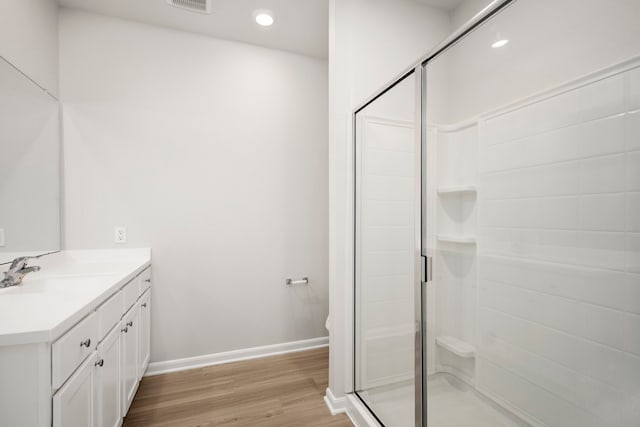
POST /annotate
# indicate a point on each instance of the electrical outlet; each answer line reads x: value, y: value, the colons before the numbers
x: 2, y: 244
x: 120, y: 234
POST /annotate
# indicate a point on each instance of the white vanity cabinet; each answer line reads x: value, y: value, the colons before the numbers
x: 130, y: 336
x: 106, y: 382
x: 102, y: 390
x: 89, y: 374
x: 144, y: 352
x: 72, y: 406
x: 91, y: 397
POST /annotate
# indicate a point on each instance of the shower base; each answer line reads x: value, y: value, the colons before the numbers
x: 450, y: 403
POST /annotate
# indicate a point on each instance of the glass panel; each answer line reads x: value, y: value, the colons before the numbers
x: 29, y: 167
x: 384, y: 273
x: 532, y: 128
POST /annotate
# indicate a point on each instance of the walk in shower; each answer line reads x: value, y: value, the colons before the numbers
x: 497, y: 225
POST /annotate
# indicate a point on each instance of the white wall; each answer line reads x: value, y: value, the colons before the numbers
x: 214, y: 154
x: 29, y: 39
x: 370, y: 43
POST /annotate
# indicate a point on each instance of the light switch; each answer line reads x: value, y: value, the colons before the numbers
x: 120, y: 234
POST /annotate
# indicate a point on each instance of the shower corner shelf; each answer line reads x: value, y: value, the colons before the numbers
x: 458, y: 189
x: 456, y: 346
x: 464, y: 240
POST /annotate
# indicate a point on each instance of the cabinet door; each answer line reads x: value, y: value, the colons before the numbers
x: 106, y: 390
x: 129, y: 328
x: 72, y: 404
x: 144, y: 352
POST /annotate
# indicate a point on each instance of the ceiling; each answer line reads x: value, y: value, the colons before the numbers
x: 447, y: 5
x: 301, y: 25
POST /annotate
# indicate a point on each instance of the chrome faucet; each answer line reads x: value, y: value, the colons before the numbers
x: 17, y: 270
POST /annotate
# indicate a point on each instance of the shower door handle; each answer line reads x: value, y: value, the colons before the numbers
x: 426, y: 269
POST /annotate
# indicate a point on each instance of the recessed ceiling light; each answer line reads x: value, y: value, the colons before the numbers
x: 264, y: 18
x: 500, y: 43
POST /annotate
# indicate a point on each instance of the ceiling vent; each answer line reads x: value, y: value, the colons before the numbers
x: 200, y: 6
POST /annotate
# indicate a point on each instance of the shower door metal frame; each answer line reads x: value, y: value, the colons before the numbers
x: 417, y: 258
x: 422, y: 262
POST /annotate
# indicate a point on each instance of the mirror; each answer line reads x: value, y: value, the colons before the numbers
x: 29, y: 166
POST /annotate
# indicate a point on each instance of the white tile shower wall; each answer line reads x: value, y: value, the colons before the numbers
x: 457, y: 156
x: 457, y: 166
x: 455, y: 287
x: 386, y: 247
x: 559, y: 293
x: 455, y: 265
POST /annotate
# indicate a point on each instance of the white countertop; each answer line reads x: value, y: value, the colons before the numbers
x: 70, y: 285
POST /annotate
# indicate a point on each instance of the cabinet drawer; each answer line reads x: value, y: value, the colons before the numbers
x: 145, y: 280
x: 68, y: 352
x: 110, y: 313
x: 131, y: 292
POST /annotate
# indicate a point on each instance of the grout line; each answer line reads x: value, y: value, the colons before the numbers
x: 556, y: 264
x: 568, y: 230
x: 560, y: 331
x: 553, y: 163
x: 539, y: 386
x: 399, y: 251
x: 575, y: 230
x: 386, y: 150
x: 555, y: 362
x: 406, y: 202
x: 520, y: 139
x: 579, y: 301
x: 407, y: 227
x: 587, y: 266
x: 564, y: 196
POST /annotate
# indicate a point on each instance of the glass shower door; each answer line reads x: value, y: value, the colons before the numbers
x: 385, y: 254
x: 532, y: 153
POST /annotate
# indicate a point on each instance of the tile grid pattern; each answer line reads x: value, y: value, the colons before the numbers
x: 386, y: 243
x: 559, y: 255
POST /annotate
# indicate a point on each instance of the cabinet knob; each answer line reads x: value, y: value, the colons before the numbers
x: 86, y: 343
x: 144, y: 304
x: 125, y: 330
x: 130, y: 323
x: 99, y: 363
x: 147, y: 280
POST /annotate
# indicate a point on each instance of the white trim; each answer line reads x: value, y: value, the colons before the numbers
x: 567, y: 86
x: 336, y: 405
x: 358, y: 413
x: 542, y: 95
x: 157, y: 368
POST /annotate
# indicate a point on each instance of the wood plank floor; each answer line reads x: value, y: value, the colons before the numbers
x: 284, y: 390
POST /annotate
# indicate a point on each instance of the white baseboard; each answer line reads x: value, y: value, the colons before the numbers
x: 336, y: 405
x: 157, y: 368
